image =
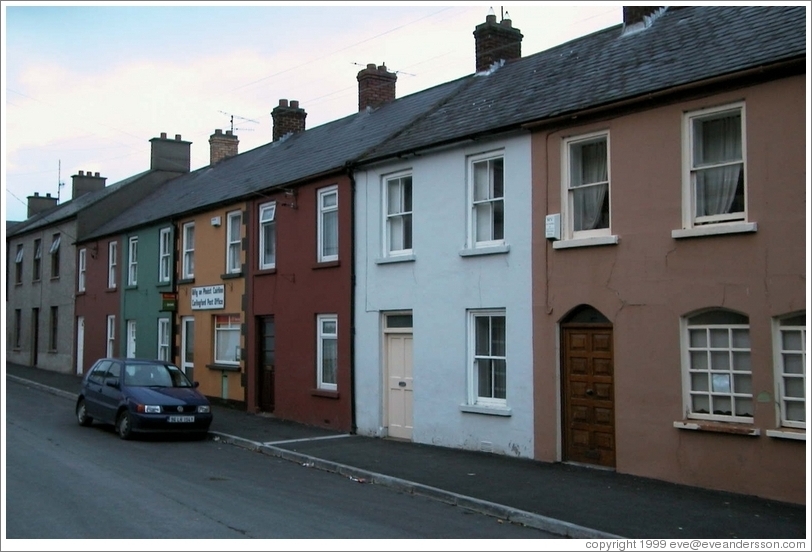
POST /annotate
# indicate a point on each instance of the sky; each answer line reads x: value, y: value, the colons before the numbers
x: 87, y: 85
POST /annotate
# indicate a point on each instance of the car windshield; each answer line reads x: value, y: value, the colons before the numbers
x: 154, y: 375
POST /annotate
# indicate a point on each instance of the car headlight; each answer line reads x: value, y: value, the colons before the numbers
x: 203, y: 409
x: 149, y: 408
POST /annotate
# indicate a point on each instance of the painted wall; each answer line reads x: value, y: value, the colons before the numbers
x: 98, y: 301
x: 649, y: 280
x: 295, y: 293
x: 142, y: 302
x: 440, y: 286
x: 220, y: 381
x: 42, y: 294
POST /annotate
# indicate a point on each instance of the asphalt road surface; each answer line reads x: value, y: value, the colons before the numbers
x: 63, y: 481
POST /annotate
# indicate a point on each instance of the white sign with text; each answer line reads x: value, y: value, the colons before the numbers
x: 209, y: 297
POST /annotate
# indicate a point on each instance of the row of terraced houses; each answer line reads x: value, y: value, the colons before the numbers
x: 593, y: 254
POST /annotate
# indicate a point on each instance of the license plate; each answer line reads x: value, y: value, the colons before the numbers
x: 181, y: 419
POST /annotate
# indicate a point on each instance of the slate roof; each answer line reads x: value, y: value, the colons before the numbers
x: 316, y: 151
x: 69, y: 209
x: 683, y: 45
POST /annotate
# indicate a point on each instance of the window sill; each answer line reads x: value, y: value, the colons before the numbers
x: 164, y: 284
x: 224, y: 367
x: 324, y: 393
x: 715, y: 230
x: 487, y: 410
x: 231, y: 276
x: 586, y: 242
x: 787, y: 433
x: 326, y: 264
x: 489, y: 250
x: 410, y: 258
x: 130, y: 286
x: 111, y: 290
x: 54, y: 278
x: 186, y: 281
x: 264, y: 271
x: 730, y: 428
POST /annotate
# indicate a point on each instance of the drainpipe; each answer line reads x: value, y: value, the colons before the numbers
x: 350, y: 170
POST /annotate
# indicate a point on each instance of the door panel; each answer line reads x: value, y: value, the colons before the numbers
x: 588, y: 395
x: 400, y: 385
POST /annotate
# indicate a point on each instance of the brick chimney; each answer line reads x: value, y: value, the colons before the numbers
x: 222, y: 146
x: 287, y: 119
x: 496, y: 41
x: 86, y: 183
x: 170, y: 155
x: 376, y: 86
x: 635, y: 14
x: 38, y: 204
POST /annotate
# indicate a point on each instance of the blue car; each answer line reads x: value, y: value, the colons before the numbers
x: 142, y: 396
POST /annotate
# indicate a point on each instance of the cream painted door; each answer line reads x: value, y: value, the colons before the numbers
x: 400, y: 388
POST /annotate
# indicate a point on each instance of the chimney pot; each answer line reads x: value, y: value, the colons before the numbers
x: 177, y: 137
x: 228, y: 132
x: 294, y: 104
x: 163, y: 135
x: 36, y: 194
x: 283, y: 103
x: 96, y: 174
x: 81, y: 173
x: 218, y: 131
x: 48, y: 194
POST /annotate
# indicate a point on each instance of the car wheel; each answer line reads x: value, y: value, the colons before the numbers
x: 81, y: 414
x: 124, y: 425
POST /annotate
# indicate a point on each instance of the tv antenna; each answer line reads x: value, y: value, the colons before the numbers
x: 59, y: 183
x: 241, y: 119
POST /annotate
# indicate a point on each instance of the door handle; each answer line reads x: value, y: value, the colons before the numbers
x: 590, y: 392
x: 402, y: 383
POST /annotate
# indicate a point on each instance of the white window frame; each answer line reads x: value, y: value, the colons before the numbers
x: 163, y: 339
x: 111, y: 335
x: 689, y: 218
x: 781, y: 328
x: 164, y: 255
x: 54, y: 253
x: 112, y: 262
x: 131, y: 339
x: 323, y: 211
x: 397, y: 214
x: 132, y: 261
x: 723, y: 381
x: 233, y: 242
x: 475, y: 356
x: 227, y: 323
x: 322, y: 335
x: 476, y: 205
x: 568, y: 189
x: 82, y: 270
x: 267, y: 221
x: 188, y: 250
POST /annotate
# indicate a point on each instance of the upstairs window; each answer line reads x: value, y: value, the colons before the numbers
x: 82, y: 269
x: 398, y: 222
x: 112, y: 262
x: 328, y: 224
x: 487, y: 193
x: 267, y: 236
x: 18, y: 265
x: 164, y: 255
x: 586, y: 171
x: 37, y: 260
x: 56, y: 240
x: 189, y: 250
x: 234, y: 243
x: 132, y: 262
x: 714, y: 186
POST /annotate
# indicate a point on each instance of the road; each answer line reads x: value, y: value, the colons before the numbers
x: 63, y: 481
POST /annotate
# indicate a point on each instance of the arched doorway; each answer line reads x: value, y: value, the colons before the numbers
x: 587, y: 388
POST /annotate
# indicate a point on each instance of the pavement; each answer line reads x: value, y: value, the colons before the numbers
x: 566, y: 500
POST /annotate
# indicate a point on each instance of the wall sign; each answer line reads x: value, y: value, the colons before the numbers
x: 209, y: 297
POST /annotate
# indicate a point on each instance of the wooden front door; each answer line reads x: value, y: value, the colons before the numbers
x: 267, y: 363
x: 588, y: 394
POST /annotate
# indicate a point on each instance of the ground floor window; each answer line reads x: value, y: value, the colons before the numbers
x: 789, y: 337
x: 163, y: 339
x: 488, y: 358
x: 227, y: 339
x: 327, y: 346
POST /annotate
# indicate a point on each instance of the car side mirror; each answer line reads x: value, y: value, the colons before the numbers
x: 113, y: 383
x: 196, y: 384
